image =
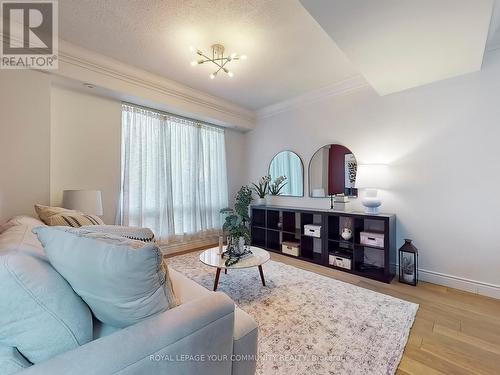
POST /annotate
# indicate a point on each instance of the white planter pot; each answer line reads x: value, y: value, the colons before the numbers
x: 408, y: 277
x: 261, y: 201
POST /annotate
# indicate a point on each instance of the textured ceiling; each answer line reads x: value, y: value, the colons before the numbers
x: 288, y: 53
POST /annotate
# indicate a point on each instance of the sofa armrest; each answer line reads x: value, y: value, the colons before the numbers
x: 244, y: 344
x: 182, y: 340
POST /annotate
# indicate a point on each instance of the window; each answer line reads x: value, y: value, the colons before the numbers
x: 173, y: 176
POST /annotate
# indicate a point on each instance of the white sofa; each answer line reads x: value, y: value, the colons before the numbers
x: 206, y: 334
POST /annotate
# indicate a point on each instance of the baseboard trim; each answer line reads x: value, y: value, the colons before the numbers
x: 468, y: 285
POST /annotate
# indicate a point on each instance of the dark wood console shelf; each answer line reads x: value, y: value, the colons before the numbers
x: 273, y: 225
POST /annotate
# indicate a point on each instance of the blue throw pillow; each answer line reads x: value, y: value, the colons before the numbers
x: 123, y: 281
x: 40, y: 314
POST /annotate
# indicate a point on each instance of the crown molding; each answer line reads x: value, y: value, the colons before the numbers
x: 81, y: 64
x: 338, y: 88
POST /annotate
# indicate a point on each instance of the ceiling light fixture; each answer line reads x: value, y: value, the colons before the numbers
x: 217, y: 58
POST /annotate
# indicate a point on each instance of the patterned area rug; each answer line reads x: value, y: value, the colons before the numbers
x: 312, y: 324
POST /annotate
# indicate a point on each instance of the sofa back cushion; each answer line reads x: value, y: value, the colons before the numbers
x: 62, y: 216
x: 40, y: 314
x: 123, y: 281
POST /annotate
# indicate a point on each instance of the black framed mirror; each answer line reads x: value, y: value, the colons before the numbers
x: 332, y: 170
x: 288, y: 163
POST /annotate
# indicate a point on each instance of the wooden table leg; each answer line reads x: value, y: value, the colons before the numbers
x: 216, y: 282
x: 262, y: 276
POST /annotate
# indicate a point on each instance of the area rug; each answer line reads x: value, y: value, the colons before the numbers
x: 312, y: 324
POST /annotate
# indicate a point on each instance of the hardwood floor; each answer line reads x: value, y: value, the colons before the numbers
x: 454, y: 332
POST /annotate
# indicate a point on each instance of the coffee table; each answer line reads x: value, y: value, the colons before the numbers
x: 212, y: 258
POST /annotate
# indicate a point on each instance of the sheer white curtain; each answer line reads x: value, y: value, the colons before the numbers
x: 173, y: 176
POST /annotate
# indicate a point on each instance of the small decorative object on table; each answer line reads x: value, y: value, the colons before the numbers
x: 221, y: 244
x: 236, y: 227
x: 346, y: 228
x: 341, y: 203
x: 408, y: 263
x: 346, y: 234
x: 262, y: 189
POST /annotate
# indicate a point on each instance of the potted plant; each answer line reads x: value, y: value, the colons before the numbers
x: 236, y: 226
x: 278, y: 184
x: 262, y: 189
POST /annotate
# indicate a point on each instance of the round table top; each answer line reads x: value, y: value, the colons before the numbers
x: 212, y: 258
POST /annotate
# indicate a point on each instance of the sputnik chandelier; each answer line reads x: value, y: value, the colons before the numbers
x: 217, y: 58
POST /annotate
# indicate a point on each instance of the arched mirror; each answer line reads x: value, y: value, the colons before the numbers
x: 332, y: 170
x: 288, y: 164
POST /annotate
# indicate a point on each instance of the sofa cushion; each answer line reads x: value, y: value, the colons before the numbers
x: 11, y: 361
x: 123, y: 281
x: 40, y: 314
x: 63, y: 217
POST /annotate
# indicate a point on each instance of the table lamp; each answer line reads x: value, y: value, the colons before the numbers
x: 86, y: 201
x: 371, y: 177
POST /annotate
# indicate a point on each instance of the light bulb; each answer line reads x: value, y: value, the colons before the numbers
x: 230, y: 74
x: 194, y: 63
x: 212, y: 76
x: 243, y: 57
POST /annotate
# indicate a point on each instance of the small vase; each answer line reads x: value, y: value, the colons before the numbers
x: 346, y: 234
x: 241, y: 245
x: 261, y: 201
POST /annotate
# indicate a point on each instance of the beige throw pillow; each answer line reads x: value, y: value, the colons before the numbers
x: 58, y: 216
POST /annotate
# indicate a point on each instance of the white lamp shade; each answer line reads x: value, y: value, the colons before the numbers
x: 86, y: 201
x: 372, y: 176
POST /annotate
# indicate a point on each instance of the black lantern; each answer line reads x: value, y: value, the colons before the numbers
x: 408, y: 263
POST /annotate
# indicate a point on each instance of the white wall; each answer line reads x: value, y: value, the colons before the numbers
x: 85, y: 146
x: 24, y: 141
x: 236, y: 162
x: 442, y: 143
